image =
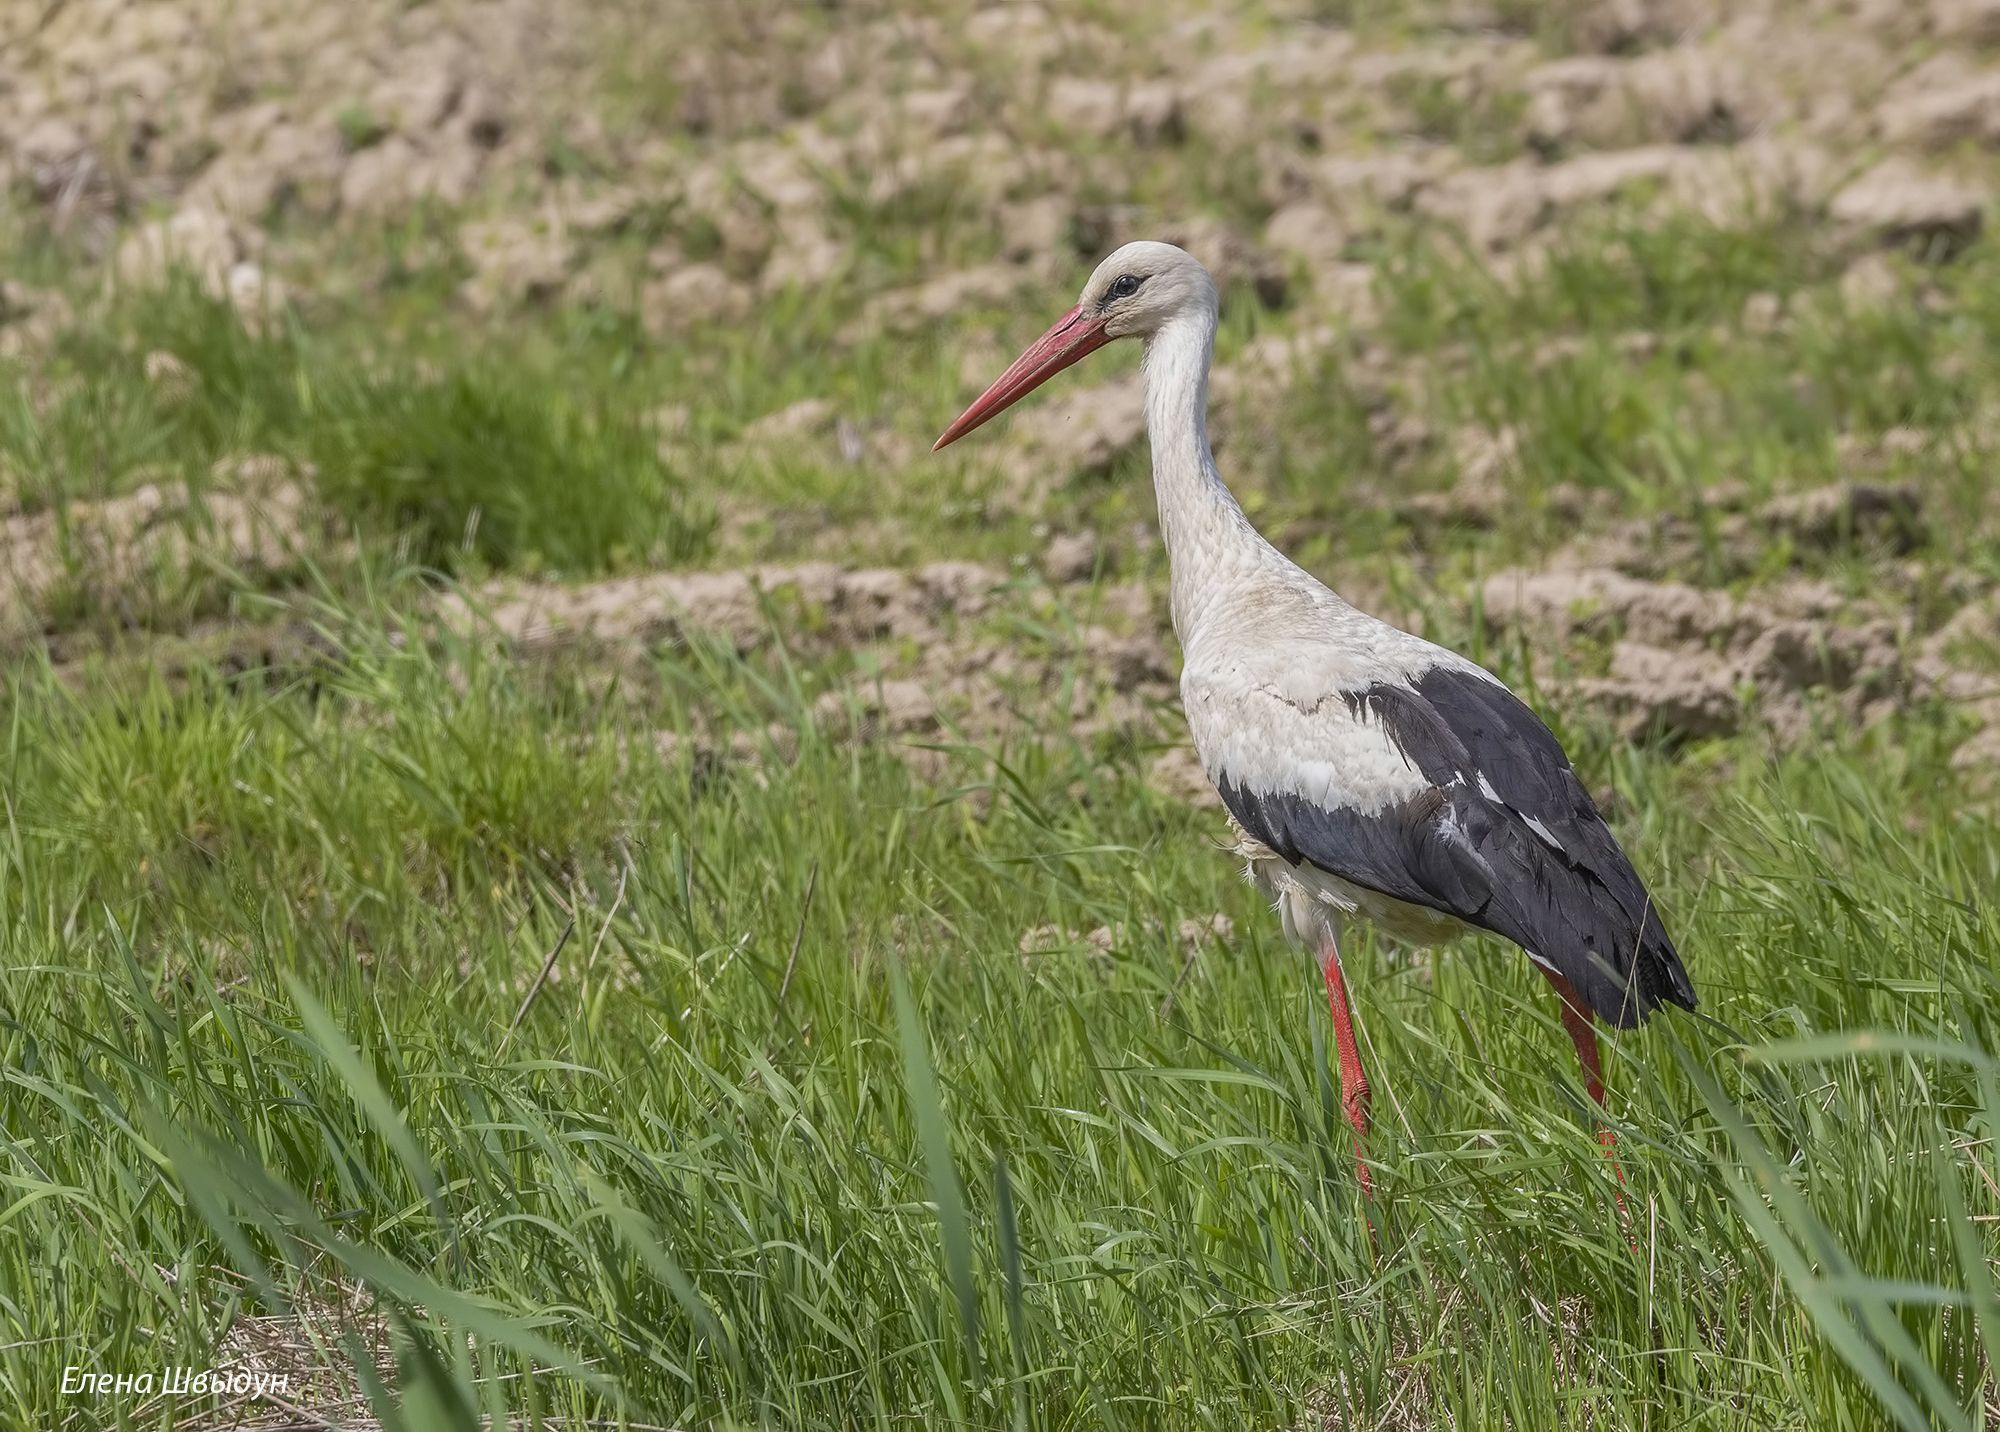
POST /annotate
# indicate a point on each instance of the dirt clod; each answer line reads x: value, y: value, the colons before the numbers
x: 1898, y: 203
x: 110, y: 549
x: 1070, y: 557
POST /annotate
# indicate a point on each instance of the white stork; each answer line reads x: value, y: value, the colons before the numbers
x: 1367, y: 772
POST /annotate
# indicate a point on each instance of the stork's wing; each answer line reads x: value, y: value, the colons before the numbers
x: 1445, y: 790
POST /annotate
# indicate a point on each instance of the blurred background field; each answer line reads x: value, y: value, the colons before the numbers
x: 558, y: 869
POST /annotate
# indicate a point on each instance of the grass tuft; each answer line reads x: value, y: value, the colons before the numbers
x: 489, y: 464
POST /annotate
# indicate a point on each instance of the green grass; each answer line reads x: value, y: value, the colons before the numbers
x: 266, y: 944
x: 507, y: 463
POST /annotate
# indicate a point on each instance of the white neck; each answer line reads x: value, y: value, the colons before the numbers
x: 1209, y: 539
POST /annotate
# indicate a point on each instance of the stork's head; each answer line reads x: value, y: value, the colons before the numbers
x: 1135, y: 293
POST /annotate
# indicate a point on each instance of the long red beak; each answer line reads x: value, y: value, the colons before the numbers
x: 1073, y: 337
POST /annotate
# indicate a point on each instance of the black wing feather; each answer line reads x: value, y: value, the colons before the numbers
x: 1469, y: 844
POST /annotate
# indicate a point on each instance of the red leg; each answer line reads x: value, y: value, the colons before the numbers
x: 1354, y: 1092
x: 1582, y: 1028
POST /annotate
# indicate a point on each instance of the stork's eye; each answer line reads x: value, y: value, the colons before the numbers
x: 1124, y: 286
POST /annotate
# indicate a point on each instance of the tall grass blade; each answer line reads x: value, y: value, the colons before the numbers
x: 376, y: 1105
x: 1010, y: 1272
x: 934, y: 1136
x: 433, y: 1398
x: 640, y: 1236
